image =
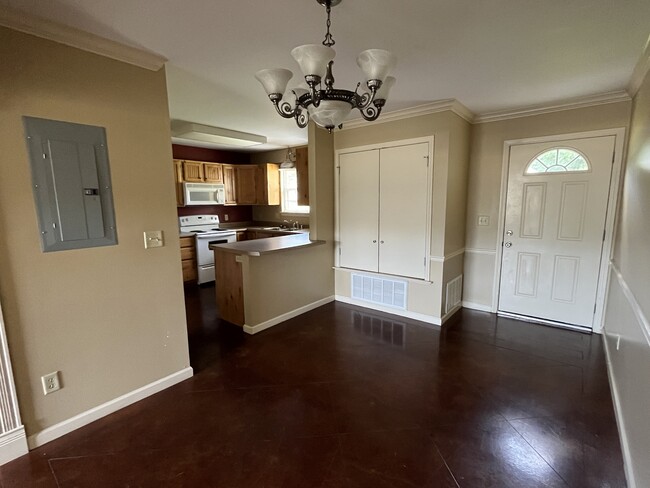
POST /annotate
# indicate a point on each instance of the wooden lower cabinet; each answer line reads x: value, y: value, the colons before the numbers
x: 242, y: 235
x: 229, y: 287
x: 188, y: 259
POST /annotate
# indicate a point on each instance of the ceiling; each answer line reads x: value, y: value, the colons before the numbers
x: 489, y: 55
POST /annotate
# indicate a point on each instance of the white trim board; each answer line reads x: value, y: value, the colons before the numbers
x: 640, y: 70
x: 547, y: 108
x: 96, y: 413
x: 63, y: 34
x: 622, y: 433
x: 451, y: 104
x: 476, y: 306
x: 634, y: 305
x: 447, y: 257
x: 429, y: 319
x: 254, y: 329
x: 13, y: 444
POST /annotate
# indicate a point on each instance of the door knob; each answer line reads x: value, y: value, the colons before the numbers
x: 509, y: 233
x: 508, y: 244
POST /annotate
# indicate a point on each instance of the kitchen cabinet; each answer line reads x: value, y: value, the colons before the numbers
x: 247, y: 179
x: 258, y: 184
x: 178, y: 182
x: 193, y: 171
x: 302, y: 174
x: 242, y: 235
x: 229, y: 181
x: 188, y: 259
x: 212, y: 173
x: 383, y: 202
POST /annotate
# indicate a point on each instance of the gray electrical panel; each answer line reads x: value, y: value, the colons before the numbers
x: 72, y: 184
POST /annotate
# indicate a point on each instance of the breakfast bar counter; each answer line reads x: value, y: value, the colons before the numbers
x: 262, y: 282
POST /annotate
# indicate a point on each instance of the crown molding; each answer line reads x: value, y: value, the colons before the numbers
x: 451, y: 104
x: 640, y: 70
x: 63, y: 34
x: 580, y: 102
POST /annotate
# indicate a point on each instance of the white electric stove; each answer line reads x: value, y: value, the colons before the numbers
x: 207, y: 231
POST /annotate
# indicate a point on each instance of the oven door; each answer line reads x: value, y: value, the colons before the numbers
x: 205, y: 256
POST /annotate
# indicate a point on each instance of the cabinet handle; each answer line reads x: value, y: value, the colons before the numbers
x: 374, y: 241
x: 381, y: 242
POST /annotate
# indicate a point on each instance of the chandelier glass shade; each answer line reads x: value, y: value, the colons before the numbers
x: 319, y: 100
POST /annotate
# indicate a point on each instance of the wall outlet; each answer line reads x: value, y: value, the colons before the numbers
x: 50, y: 383
x: 153, y: 238
x: 483, y: 220
x: 225, y: 217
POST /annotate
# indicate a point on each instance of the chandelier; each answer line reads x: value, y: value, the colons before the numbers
x: 319, y: 100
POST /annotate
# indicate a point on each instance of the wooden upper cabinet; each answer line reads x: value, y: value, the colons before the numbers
x: 212, y: 173
x: 268, y: 188
x: 193, y: 171
x: 302, y: 174
x: 178, y: 182
x: 229, y: 181
x: 247, y: 178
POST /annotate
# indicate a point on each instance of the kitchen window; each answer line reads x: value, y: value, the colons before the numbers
x: 289, y: 188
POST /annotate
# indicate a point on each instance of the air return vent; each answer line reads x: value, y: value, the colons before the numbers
x: 454, y: 293
x: 391, y: 293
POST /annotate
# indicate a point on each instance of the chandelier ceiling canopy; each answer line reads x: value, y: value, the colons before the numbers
x: 318, y: 99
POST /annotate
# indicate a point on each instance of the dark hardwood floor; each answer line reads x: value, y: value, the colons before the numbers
x: 345, y: 397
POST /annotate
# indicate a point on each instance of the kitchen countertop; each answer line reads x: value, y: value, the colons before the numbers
x: 268, y: 245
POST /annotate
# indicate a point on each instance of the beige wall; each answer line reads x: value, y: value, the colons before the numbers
x: 486, y: 161
x: 111, y: 319
x: 450, y: 165
x: 628, y: 301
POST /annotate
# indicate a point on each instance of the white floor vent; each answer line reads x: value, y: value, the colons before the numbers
x: 391, y: 293
x: 454, y: 293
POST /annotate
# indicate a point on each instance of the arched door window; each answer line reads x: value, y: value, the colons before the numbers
x: 558, y: 160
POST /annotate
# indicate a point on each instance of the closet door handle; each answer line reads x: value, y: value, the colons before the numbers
x: 374, y: 241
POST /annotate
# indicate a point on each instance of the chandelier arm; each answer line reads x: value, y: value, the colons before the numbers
x: 366, y: 99
x: 284, y: 108
x: 370, y: 113
x: 302, y: 118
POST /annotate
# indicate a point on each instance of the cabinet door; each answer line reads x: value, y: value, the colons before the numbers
x: 403, y: 201
x: 212, y: 173
x: 359, y: 209
x: 247, y: 184
x: 193, y: 171
x: 229, y: 180
x: 302, y: 174
x: 271, y: 185
x: 178, y: 176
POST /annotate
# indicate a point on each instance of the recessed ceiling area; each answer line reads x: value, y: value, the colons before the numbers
x: 490, y: 56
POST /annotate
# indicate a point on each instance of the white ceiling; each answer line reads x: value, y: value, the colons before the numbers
x: 490, y: 55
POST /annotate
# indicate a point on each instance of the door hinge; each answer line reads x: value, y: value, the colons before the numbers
x: 44, y: 156
x: 604, y: 234
x: 427, y: 158
x: 425, y: 261
x: 339, y: 250
x: 595, y: 307
x: 613, y: 156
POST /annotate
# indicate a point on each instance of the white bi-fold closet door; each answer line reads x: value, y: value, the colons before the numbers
x: 383, y: 210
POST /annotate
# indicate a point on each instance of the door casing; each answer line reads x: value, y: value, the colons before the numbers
x: 610, y: 222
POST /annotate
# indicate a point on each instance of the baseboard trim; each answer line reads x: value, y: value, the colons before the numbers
x: 84, y: 418
x: 254, y: 329
x: 476, y: 306
x: 429, y: 319
x: 448, y: 315
x: 622, y: 433
x: 13, y: 444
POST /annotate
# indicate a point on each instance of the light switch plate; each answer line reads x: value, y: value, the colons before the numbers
x: 483, y: 220
x: 153, y: 238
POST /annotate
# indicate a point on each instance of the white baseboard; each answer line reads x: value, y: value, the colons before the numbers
x: 448, y: 315
x: 84, y: 418
x: 254, y: 329
x: 618, y: 414
x: 477, y: 306
x: 429, y: 319
x: 13, y: 444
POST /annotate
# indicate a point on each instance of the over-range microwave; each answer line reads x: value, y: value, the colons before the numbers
x: 204, y: 193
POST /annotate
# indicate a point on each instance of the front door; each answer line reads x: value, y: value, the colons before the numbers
x: 554, y: 229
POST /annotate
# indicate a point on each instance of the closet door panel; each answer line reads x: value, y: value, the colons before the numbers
x: 403, y: 201
x: 359, y: 210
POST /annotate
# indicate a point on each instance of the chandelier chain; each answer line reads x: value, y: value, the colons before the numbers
x: 329, y: 40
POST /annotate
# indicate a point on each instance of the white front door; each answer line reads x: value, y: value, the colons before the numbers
x: 554, y: 228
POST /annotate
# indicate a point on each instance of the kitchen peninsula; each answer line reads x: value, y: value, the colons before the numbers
x: 263, y: 282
